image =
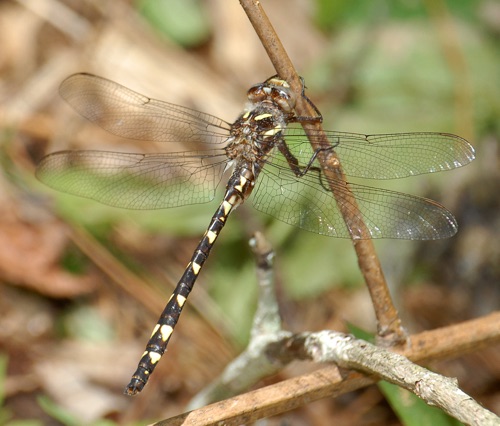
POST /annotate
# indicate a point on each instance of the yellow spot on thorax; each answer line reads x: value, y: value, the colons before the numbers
x: 262, y: 116
x: 273, y: 131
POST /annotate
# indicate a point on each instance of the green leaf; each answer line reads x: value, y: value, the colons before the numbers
x: 3, y: 373
x: 22, y: 423
x: 57, y: 412
x: 359, y: 333
x: 183, y: 21
x: 5, y: 414
x: 411, y: 410
x: 235, y: 291
x: 85, y: 323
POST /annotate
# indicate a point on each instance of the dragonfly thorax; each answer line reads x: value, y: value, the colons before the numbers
x: 255, y: 133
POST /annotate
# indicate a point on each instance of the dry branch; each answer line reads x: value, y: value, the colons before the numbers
x: 331, y: 381
x: 388, y: 322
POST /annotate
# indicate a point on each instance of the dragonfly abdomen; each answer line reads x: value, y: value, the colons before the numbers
x: 239, y: 187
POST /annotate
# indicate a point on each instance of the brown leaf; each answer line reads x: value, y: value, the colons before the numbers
x: 31, y: 246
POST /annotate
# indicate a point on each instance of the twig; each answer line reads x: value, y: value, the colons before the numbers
x: 332, y: 381
x: 267, y: 317
x: 434, y: 389
x: 389, y: 325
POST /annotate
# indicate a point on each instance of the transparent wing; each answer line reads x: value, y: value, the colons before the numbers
x: 388, y: 156
x: 149, y: 181
x: 128, y: 114
x: 135, y: 181
x: 303, y: 202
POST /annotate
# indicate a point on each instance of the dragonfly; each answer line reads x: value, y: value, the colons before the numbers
x: 265, y: 156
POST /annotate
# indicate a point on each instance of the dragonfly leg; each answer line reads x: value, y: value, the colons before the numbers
x: 300, y: 171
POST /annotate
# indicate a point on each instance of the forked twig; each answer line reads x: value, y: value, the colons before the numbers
x: 331, y: 382
x: 272, y: 348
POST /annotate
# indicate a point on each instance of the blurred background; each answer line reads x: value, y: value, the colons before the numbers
x: 83, y: 284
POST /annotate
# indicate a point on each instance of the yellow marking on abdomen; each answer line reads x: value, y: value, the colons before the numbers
x: 212, y: 236
x: 243, y: 181
x: 157, y: 326
x: 196, y: 269
x: 154, y: 357
x: 232, y: 200
x: 226, y: 206
x: 165, y: 332
x: 181, y: 300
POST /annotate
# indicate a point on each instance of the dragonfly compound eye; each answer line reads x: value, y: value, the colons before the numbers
x: 284, y: 99
x: 257, y: 93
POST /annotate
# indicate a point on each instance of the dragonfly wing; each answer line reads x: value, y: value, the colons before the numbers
x: 388, y: 156
x: 303, y: 202
x: 134, y: 181
x: 128, y: 114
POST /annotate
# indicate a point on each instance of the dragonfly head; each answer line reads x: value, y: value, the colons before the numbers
x: 274, y: 90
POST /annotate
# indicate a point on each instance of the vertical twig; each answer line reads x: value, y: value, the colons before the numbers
x: 389, y: 325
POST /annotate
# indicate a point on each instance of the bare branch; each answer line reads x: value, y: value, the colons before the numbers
x: 332, y: 381
x: 435, y: 389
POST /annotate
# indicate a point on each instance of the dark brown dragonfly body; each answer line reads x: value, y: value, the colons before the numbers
x: 271, y: 162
